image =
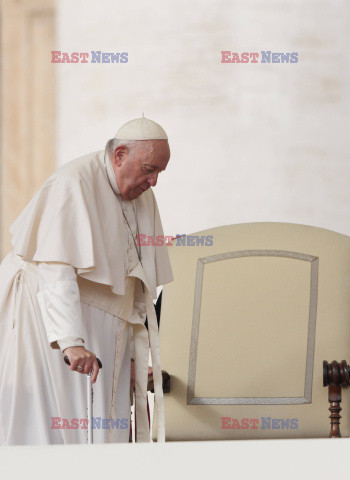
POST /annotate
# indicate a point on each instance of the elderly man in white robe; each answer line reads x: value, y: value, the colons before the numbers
x: 78, y: 282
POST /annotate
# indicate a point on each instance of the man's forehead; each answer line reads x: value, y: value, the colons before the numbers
x: 154, y: 154
x: 152, y: 145
x: 153, y: 165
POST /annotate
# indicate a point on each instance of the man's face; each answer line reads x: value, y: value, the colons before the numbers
x: 137, y: 168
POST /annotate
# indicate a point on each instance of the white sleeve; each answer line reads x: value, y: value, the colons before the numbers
x: 59, y: 302
x: 70, y: 342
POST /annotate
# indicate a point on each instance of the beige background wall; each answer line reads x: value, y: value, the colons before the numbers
x: 27, y: 81
x: 250, y: 142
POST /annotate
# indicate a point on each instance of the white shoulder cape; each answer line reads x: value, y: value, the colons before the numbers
x: 75, y: 218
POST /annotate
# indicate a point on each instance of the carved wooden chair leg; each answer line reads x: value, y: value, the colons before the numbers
x: 335, y: 376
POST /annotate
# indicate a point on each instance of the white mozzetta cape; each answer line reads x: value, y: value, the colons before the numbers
x: 75, y: 218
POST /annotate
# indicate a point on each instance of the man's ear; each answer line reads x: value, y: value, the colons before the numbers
x: 119, y: 154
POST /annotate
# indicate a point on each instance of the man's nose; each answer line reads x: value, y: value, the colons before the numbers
x: 152, y: 180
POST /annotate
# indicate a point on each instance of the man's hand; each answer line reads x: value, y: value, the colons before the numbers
x: 85, y: 359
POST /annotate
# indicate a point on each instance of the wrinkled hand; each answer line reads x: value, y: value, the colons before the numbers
x: 86, y: 359
x: 132, y: 373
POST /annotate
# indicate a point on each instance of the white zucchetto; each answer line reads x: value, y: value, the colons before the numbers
x: 141, y: 129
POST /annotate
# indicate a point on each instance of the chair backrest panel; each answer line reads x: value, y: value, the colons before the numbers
x: 245, y: 327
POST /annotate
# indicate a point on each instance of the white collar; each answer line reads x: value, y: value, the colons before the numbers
x: 111, y: 174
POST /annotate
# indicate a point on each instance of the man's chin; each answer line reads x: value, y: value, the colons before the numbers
x: 133, y: 195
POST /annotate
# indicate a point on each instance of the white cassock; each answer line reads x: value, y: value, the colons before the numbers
x: 74, y: 278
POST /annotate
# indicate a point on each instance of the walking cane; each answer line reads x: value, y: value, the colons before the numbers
x: 90, y: 398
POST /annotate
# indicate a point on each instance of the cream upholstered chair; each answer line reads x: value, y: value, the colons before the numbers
x: 245, y: 327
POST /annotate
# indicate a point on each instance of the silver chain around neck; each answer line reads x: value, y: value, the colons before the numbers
x: 137, y: 247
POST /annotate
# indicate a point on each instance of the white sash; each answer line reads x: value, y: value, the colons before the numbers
x: 142, y: 342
